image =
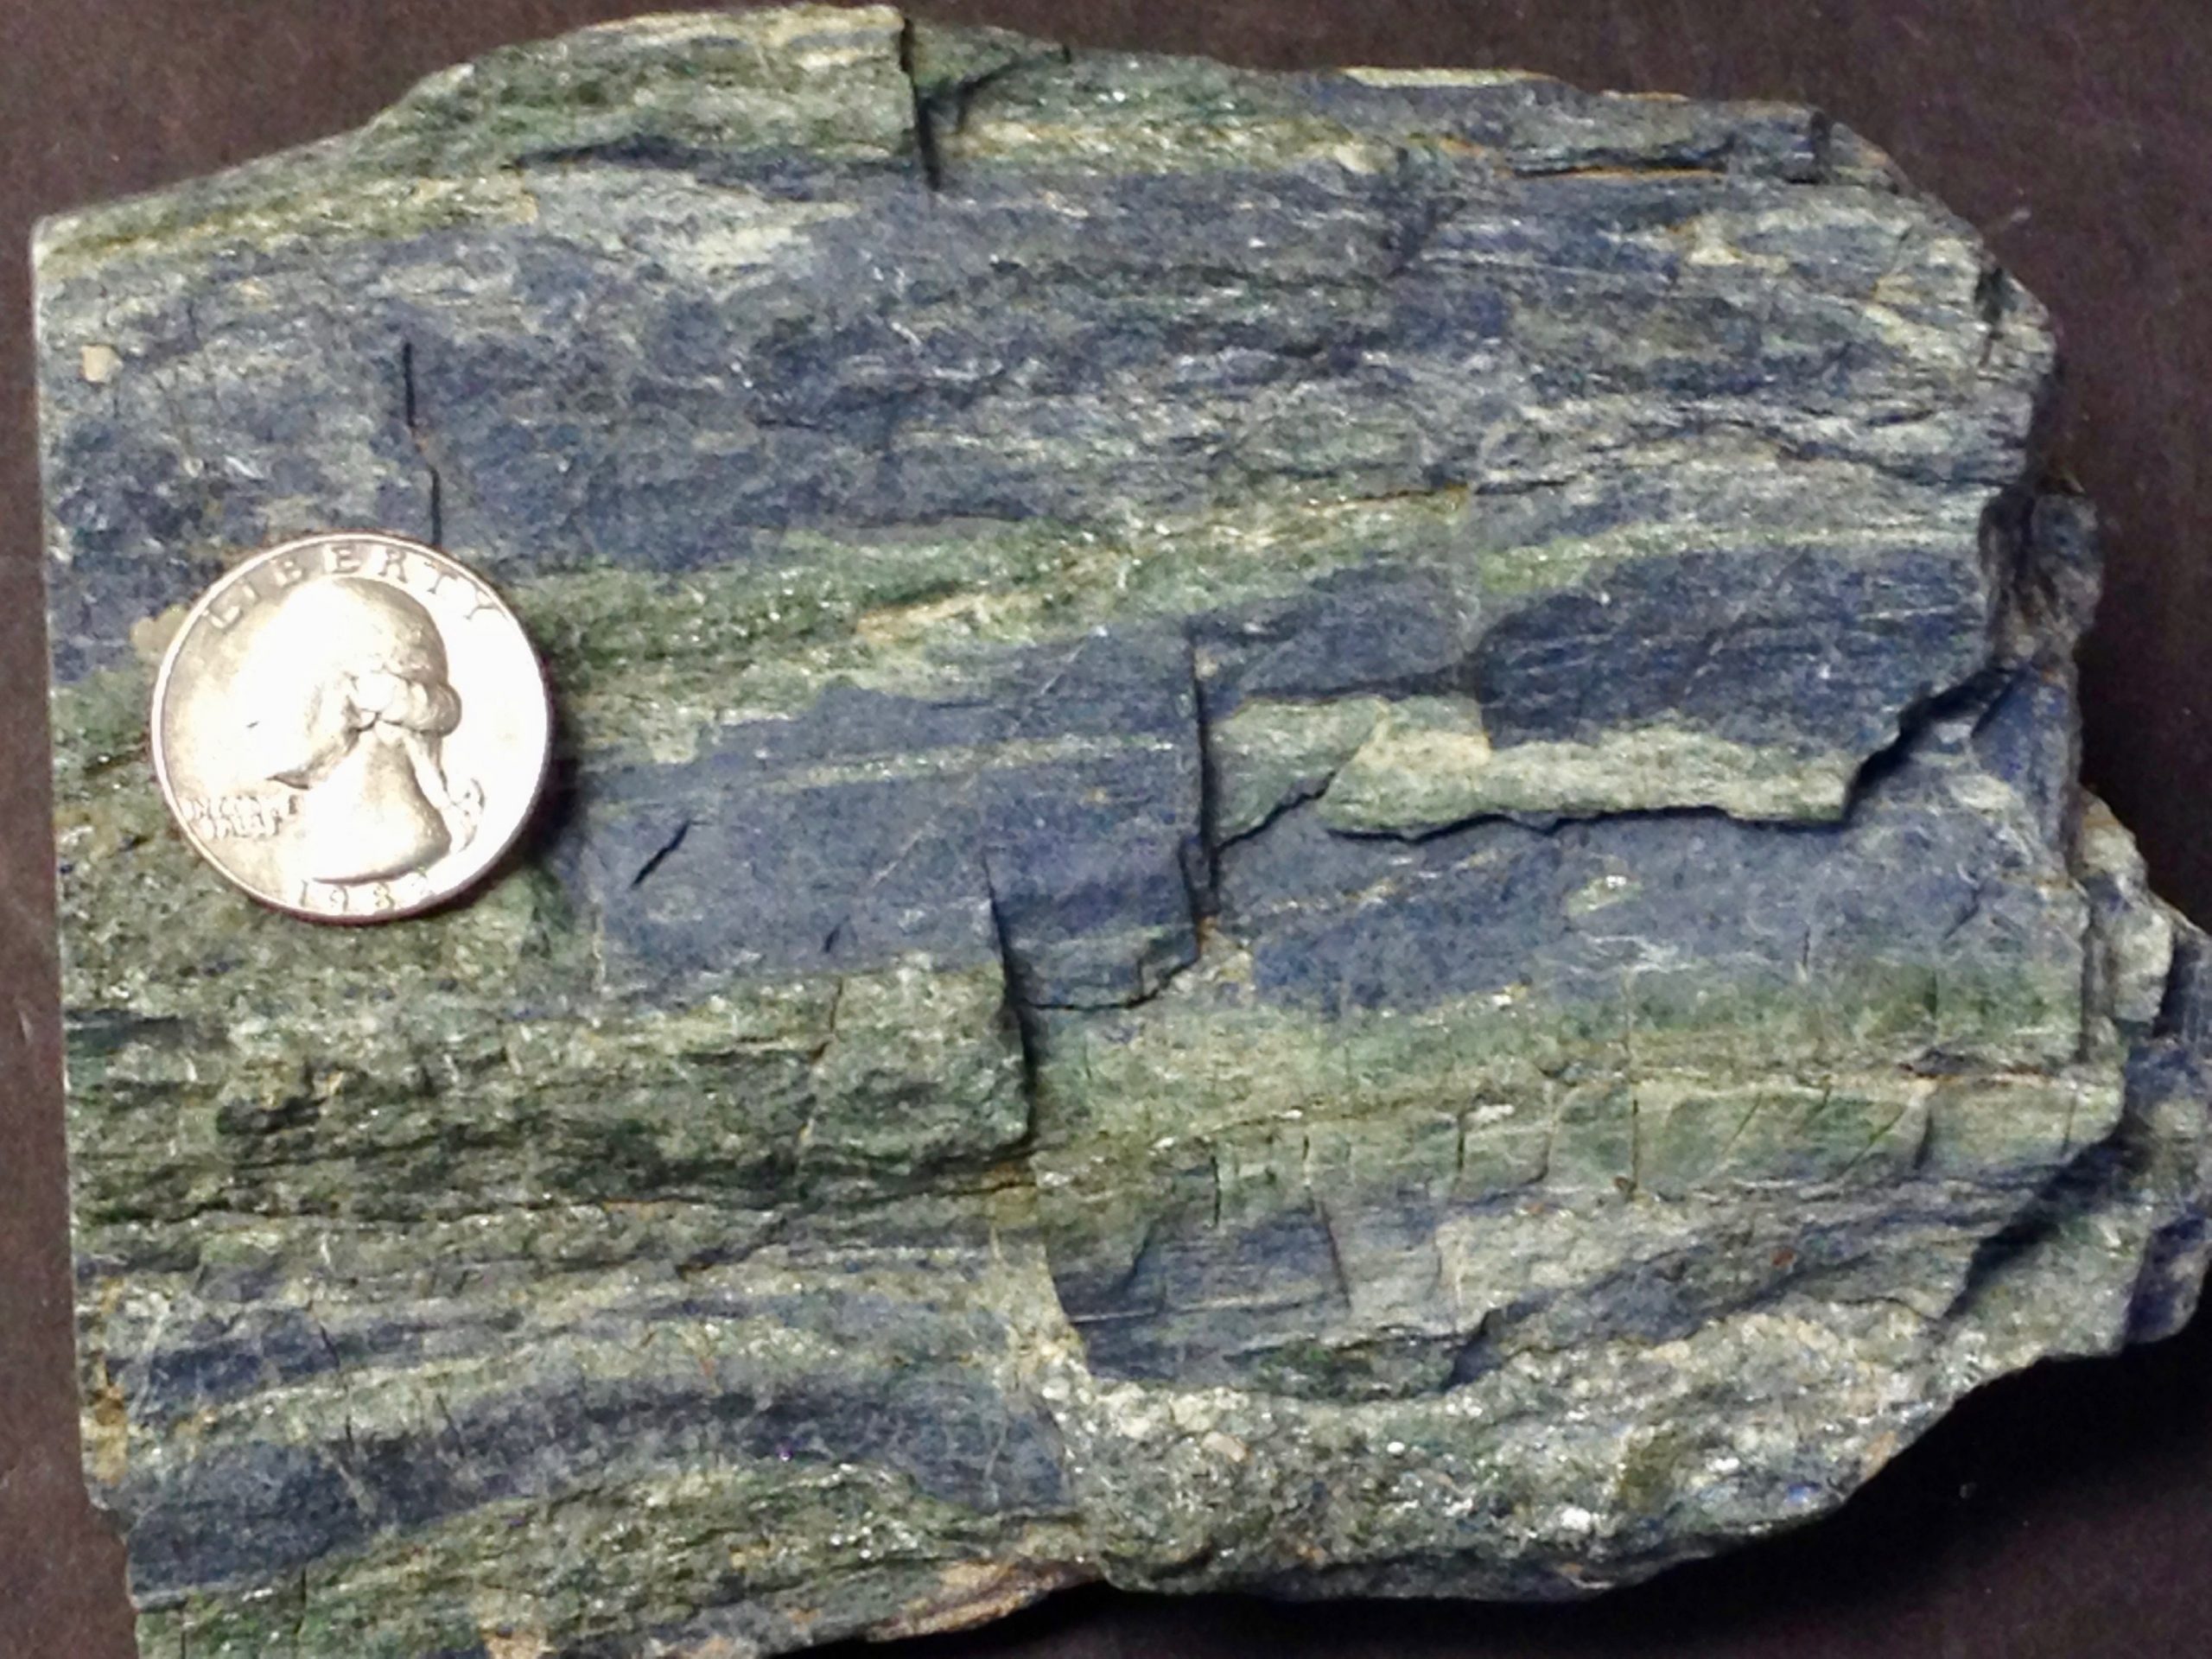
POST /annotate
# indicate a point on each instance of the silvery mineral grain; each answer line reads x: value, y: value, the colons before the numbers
x: 1315, y: 833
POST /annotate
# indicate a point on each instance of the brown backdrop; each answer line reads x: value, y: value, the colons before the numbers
x: 2065, y: 1513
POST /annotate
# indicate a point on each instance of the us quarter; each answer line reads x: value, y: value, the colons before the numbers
x: 352, y: 727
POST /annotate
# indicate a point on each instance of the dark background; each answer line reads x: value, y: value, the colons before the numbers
x: 2067, y: 1512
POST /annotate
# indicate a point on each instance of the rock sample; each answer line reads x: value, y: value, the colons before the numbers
x: 1315, y: 833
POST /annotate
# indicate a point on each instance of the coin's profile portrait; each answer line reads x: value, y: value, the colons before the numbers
x: 350, y: 726
x: 344, y: 697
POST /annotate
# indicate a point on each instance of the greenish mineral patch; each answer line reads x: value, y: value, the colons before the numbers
x: 1314, y: 833
x: 1428, y: 763
x: 1271, y: 754
x: 808, y: 81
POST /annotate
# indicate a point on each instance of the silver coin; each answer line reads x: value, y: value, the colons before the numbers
x: 352, y: 727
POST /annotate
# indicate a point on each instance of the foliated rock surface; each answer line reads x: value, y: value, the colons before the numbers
x: 1312, y: 832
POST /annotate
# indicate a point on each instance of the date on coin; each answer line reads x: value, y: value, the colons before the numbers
x: 353, y: 727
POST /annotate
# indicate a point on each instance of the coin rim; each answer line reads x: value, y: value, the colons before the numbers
x: 157, y: 747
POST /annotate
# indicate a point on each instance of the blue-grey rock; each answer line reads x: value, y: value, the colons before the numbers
x: 1312, y: 832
